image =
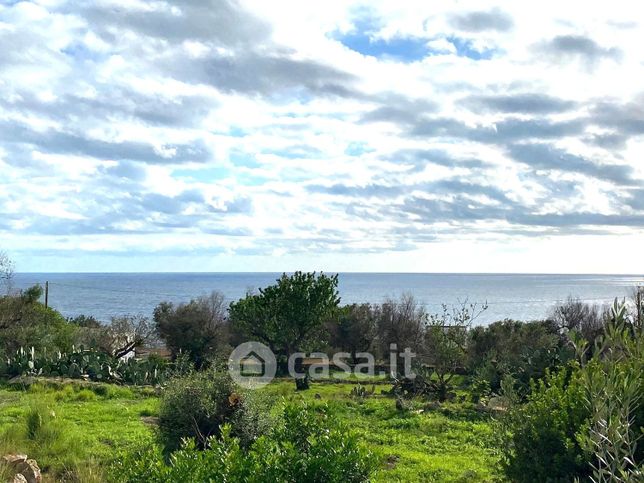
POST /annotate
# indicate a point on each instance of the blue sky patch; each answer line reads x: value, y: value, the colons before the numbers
x: 357, y: 148
x: 464, y: 48
x: 237, y: 132
x: 362, y: 39
x: 79, y: 51
x: 403, y: 48
x: 243, y: 160
x: 407, y: 49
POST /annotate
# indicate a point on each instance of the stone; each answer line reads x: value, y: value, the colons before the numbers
x: 27, y: 470
x: 32, y: 472
x: 14, y: 459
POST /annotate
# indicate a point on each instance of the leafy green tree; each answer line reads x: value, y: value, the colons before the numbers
x: 285, y: 316
x: 25, y: 322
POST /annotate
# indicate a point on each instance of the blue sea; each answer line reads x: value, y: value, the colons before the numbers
x: 520, y: 297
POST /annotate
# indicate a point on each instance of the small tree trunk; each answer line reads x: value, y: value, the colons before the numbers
x: 301, y: 377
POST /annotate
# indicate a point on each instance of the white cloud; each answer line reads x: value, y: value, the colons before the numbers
x: 351, y: 136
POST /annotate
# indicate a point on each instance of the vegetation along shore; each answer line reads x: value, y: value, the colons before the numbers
x: 153, y: 400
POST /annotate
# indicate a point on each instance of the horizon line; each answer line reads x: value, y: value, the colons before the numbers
x: 327, y: 271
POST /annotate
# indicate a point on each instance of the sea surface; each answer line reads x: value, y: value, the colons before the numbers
x: 520, y: 297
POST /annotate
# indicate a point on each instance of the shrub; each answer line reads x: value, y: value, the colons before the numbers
x: 540, y: 439
x: 307, y: 446
x: 196, y: 406
x: 614, y: 385
x: 523, y: 350
x: 314, y: 447
x: 584, y: 421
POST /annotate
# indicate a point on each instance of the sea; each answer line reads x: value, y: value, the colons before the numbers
x: 507, y: 296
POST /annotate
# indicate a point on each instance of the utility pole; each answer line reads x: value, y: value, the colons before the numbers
x: 46, y: 294
x: 640, y: 307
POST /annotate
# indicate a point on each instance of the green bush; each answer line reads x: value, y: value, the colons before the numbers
x: 614, y: 383
x: 25, y: 322
x: 524, y: 350
x: 308, y: 446
x: 541, y: 438
x: 197, y: 405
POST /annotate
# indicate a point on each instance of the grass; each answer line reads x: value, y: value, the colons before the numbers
x: 74, y: 431
x: 423, y: 443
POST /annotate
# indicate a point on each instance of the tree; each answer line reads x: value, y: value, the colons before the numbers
x: 401, y: 323
x: 197, y: 328
x: 118, y: 338
x: 7, y: 268
x: 579, y: 316
x: 127, y: 333
x: 445, y: 344
x: 25, y: 322
x: 286, y: 315
x: 354, y: 328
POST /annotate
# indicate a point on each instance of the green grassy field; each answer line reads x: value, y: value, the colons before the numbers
x: 75, y: 432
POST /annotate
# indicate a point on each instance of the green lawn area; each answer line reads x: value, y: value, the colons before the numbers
x: 88, y: 427
x: 424, y: 443
x: 83, y: 428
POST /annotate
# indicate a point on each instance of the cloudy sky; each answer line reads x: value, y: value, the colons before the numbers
x: 344, y: 136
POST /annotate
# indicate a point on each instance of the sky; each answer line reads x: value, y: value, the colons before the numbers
x: 384, y: 136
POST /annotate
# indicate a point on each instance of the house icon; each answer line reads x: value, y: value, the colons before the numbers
x: 252, y: 365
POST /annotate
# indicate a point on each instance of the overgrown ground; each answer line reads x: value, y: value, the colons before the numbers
x: 72, y: 432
